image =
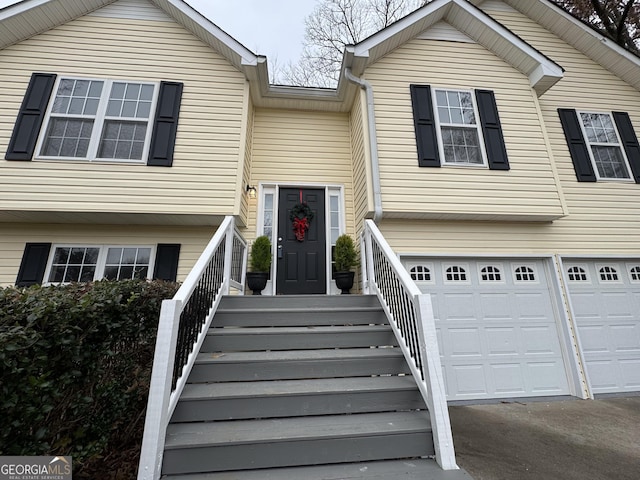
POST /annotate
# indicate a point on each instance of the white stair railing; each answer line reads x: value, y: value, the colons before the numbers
x: 184, y: 321
x: 411, y: 317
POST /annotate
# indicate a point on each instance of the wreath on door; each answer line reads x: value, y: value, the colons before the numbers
x: 301, y: 216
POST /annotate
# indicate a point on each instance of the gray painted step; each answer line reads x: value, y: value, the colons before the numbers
x: 411, y: 469
x: 297, y: 364
x: 234, y: 339
x: 292, y: 398
x: 246, y: 444
x: 298, y: 316
x: 298, y: 301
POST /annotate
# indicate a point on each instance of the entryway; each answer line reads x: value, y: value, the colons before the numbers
x: 301, y: 253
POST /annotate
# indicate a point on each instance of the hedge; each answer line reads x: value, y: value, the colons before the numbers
x: 75, y: 364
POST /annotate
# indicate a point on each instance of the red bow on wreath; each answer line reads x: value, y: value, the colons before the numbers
x: 301, y: 216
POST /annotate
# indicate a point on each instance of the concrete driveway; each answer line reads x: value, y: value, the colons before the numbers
x: 556, y: 440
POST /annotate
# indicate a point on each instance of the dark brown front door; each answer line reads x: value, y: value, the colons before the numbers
x: 301, y: 264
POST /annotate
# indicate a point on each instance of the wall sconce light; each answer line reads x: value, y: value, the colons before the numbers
x: 251, y: 191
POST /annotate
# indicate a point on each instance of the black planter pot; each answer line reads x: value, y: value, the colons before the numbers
x: 256, y: 281
x: 344, y: 281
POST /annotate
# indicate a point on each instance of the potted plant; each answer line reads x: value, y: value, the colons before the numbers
x: 346, y: 258
x: 260, y: 263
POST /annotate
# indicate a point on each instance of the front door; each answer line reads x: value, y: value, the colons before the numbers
x: 301, y: 259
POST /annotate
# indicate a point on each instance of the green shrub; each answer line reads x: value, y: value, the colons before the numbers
x: 345, y: 254
x: 261, y: 254
x: 75, y: 365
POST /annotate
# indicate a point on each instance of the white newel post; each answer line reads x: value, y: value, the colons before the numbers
x: 228, y: 257
x: 155, y: 426
x: 432, y: 368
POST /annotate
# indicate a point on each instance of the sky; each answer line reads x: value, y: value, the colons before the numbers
x: 274, y: 28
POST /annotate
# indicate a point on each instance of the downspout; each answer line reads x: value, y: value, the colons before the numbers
x: 373, y: 143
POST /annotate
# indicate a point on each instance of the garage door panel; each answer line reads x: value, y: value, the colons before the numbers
x: 468, y: 381
x: 540, y: 340
x: 532, y: 306
x: 630, y: 369
x: 546, y: 378
x: 508, y: 379
x: 606, y: 306
x: 495, y: 306
x: 502, y: 341
x: 458, y: 306
x: 464, y: 342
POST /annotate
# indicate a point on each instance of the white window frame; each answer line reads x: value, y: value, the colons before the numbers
x: 604, y: 144
x: 478, y: 128
x: 500, y: 270
x: 584, y: 270
x: 631, y: 266
x: 532, y: 266
x: 614, y: 266
x: 99, y: 120
x: 462, y: 265
x: 428, y: 265
x: 100, y: 263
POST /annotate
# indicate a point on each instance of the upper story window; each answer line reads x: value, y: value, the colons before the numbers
x: 65, y: 118
x: 457, y: 127
x: 605, y: 148
x: 99, y: 120
x: 602, y: 145
x: 459, y: 130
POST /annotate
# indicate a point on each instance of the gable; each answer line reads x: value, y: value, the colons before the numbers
x: 132, y: 9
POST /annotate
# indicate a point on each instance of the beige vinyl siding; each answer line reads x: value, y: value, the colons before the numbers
x: 302, y: 148
x: 363, y: 193
x: 528, y: 191
x: 604, y: 216
x: 14, y: 236
x: 246, y: 165
x: 204, y: 175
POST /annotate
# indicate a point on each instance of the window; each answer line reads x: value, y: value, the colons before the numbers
x: 634, y: 273
x: 524, y: 273
x: 457, y: 127
x: 490, y: 273
x: 267, y: 219
x: 456, y: 273
x: 87, y: 263
x: 420, y: 273
x: 459, y: 130
x: 608, y: 274
x: 605, y: 148
x: 577, y: 274
x: 99, y: 120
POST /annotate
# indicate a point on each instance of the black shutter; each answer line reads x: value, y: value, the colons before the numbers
x: 629, y: 141
x: 30, y: 117
x: 425, y: 126
x: 492, y: 130
x: 166, y: 267
x: 577, y: 145
x: 33, y: 265
x: 165, y: 127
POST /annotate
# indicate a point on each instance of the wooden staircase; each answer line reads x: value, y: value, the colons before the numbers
x: 304, y: 387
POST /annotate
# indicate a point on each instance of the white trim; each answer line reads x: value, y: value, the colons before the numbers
x: 619, y: 145
x: 478, y: 127
x: 99, y: 120
x: 274, y: 187
x: 100, y: 262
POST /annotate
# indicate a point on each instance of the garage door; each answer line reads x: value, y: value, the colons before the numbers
x: 605, y: 297
x: 497, y: 327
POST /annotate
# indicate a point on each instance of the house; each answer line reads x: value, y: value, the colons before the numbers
x: 493, y: 142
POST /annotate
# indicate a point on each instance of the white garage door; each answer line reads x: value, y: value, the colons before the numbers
x: 497, y: 327
x: 605, y: 296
